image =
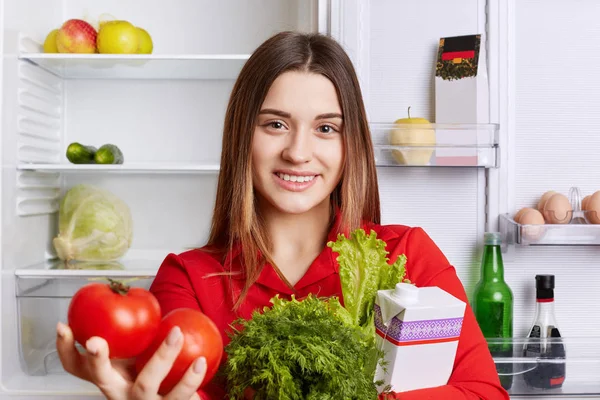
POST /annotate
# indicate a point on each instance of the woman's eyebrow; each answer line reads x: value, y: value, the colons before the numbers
x: 273, y: 111
x: 284, y: 114
x: 329, y: 115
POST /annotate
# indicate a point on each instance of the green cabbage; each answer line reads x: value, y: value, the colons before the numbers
x: 93, y: 224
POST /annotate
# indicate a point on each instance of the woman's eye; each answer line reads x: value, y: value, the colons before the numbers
x: 276, y: 125
x: 326, y: 129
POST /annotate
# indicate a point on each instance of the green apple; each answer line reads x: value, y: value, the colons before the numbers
x: 415, y: 132
x: 118, y: 37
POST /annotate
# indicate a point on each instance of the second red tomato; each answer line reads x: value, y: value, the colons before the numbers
x: 201, y: 338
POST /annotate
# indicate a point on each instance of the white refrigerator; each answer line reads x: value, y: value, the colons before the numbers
x: 165, y: 112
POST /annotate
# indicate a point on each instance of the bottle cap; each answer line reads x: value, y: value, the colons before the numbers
x: 544, y: 282
x: 492, y: 238
x: 406, y: 293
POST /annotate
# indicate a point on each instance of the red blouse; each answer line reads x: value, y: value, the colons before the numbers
x: 185, y: 280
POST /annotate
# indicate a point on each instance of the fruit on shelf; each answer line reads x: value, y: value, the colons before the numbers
x: 50, y: 42
x: 118, y: 37
x: 413, y: 132
x: 76, y: 36
x: 146, y: 46
x: 109, y: 154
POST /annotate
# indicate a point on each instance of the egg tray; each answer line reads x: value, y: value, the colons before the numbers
x: 576, y: 229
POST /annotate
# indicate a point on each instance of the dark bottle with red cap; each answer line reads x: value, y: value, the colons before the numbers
x: 545, y: 343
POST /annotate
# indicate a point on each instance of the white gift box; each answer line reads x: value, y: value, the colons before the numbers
x: 418, y: 329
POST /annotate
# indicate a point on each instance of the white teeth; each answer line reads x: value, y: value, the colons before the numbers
x: 295, y: 178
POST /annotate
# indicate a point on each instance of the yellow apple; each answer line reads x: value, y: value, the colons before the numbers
x: 146, y: 45
x: 50, y: 42
x: 118, y: 37
x: 415, y: 132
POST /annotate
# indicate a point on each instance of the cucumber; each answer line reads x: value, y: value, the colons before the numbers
x: 80, y: 154
x: 108, y: 154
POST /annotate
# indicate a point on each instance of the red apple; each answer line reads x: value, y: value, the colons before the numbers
x: 76, y: 36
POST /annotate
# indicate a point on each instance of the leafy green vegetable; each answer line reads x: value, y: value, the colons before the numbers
x: 317, y: 348
x: 364, y: 269
x: 299, y: 350
x: 93, y: 224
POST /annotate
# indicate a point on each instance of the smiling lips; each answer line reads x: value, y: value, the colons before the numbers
x: 295, y: 181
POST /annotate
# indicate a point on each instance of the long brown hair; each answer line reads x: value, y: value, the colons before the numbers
x: 235, y: 218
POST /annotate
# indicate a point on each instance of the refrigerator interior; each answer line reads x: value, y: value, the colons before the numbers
x: 167, y: 118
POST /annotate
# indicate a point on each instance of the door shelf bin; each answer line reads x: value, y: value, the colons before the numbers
x: 573, y: 234
x: 43, y: 294
x: 456, y: 145
x: 581, y: 365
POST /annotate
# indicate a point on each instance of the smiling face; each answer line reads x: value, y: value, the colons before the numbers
x: 297, y: 147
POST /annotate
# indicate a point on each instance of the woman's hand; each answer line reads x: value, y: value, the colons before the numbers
x: 116, y: 379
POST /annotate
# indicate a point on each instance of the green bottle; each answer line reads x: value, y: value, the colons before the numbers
x: 493, y: 306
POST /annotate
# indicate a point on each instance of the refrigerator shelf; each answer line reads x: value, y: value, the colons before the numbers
x: 577, y: 233
x: 139, y: 66
x: 581, y: 365
x: 159, y: 168
x: 131, y: 268
x: 457, y: 145
x: 436, y: 145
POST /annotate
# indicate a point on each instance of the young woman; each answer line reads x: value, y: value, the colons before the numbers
x: 297, y: 167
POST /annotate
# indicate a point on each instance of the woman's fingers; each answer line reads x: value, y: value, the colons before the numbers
x: 101, y: 371
x: 158, y: 366
x: 73, y: 362
x: 188, y: 385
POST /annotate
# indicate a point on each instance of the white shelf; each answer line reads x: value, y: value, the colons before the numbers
x: 158, y: 168
x: 139, y: 66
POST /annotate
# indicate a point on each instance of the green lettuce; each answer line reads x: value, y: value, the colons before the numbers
x: 364, y: 269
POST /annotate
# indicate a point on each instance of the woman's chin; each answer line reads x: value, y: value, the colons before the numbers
x: 295, y: 207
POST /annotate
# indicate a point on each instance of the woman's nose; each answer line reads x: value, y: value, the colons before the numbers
x: 299, y: 147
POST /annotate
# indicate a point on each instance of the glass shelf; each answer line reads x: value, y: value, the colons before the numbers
x: 139, y: 66
x: 581, y: 365
x: 458, y: 145
x: 146, y: 168
x: 131, y: 268
x: 436, y: 145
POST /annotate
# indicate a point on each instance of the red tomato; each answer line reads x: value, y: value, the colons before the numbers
x: 200, y: 338
x: 127, y: 318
